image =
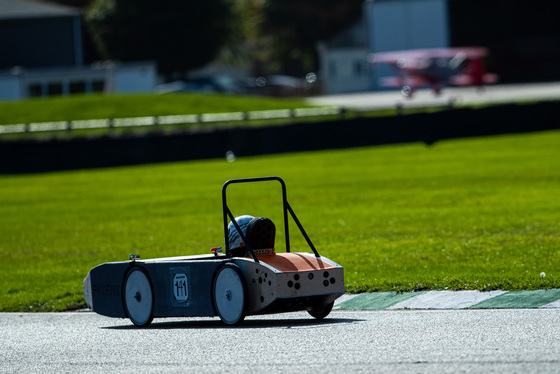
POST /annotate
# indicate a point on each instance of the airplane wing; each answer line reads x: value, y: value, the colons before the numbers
x: 395, y: 57
x: 467, y: 79
x: 412, y: 81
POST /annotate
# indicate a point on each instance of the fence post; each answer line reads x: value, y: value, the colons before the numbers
x: 292, y: 114
x: 342, y: 112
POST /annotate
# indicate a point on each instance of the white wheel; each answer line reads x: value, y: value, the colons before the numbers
x: 138, y: 297
x: 407, y: 91
x: 229, y: 294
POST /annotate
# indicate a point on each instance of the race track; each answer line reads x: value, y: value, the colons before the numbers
x: 499, y: 341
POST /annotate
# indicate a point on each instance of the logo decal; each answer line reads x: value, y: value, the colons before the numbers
x: 181, y: 287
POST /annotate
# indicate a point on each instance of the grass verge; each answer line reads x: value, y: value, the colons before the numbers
x: 478, y: 213
x: 91, y: 107
x: 84, y: 107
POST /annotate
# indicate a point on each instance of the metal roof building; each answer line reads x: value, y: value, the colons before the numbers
x: 34, y: 34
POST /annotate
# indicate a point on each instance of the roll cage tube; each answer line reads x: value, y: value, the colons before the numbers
x: 285, y: 206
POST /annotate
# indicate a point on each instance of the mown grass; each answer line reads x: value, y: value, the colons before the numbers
x: 87, y: 107
x: 477, y: 213
x: 83, y: 107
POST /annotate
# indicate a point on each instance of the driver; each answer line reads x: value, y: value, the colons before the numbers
x: 260, y: 233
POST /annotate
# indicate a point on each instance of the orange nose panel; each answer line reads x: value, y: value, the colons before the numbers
x: 295, y: 262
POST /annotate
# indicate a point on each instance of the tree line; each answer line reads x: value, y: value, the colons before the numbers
x: 267, y: 36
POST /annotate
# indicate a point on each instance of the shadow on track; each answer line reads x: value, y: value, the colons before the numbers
x: 247, y: 324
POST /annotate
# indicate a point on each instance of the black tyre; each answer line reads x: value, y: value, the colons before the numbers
x: 320, y: 311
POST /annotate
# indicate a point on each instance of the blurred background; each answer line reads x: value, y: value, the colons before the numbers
x: 256, y: 47
x: 94, y: 84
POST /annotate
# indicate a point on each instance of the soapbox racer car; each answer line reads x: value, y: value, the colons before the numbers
x: 249, y: 279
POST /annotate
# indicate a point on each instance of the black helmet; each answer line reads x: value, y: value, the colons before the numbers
x: 260, y: 233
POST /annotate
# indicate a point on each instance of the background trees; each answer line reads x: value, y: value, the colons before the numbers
x: 267, y: 36
x: 179, y: 35
x: 295, y: 27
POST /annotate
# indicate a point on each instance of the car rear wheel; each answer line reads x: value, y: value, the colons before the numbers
x: 320, y: 311
x: 229, y: 294
x: 138, y: 297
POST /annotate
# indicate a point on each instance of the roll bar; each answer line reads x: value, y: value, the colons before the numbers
x: 285, y: 206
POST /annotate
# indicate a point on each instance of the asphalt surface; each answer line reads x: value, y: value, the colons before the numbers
x: 492, y: 94
x: 502, y: 341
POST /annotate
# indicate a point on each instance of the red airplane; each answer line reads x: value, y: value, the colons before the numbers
x: 434, y: 68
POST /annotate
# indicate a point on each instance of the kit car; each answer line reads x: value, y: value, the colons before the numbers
x: 251, y: 279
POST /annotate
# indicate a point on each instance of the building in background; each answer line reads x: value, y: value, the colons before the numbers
x: 523, y: 38
x: 103, y: 77
x: 41, y: 54
x: 39, y: 35
x: 386, y: 25
x: 343, y: 62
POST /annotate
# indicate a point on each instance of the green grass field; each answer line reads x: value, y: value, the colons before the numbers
x: 88, y: 107
x: 81, y: 107
x: 479, y: 213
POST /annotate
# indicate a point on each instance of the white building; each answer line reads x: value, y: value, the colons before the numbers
x: 343, y: 61
x: 387, y: 25
x: 42, y: 55
x: 19, y: 83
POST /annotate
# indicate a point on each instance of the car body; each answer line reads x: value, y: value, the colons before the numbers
x: 224, y: 285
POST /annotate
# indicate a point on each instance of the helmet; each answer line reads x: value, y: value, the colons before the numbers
x: 234, y: 239
x: 258, y: 231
